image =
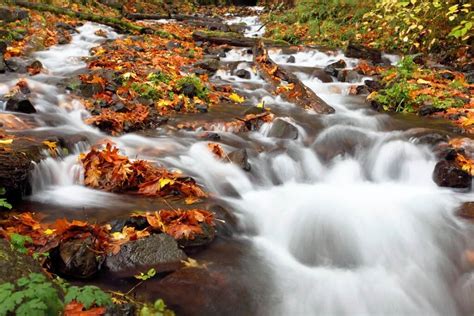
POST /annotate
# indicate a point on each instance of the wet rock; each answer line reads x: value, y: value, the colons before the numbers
x: 189, y: 90
x: 448, y: 174
x: 240, y: 158
x: 447, y: 75
x: 159, y: 251
x: 87, y: 90
x: 363, y: 89
x: 210, y: 65
x: 64, y: 38
x: 147, y: 30
x: 3, y: 47
x: 348, y: 76
x: 67, y: 27
x: 469, y: 77
x: 373, y: 85
x: 202, y: 108
x: 242, y: 73
x: 428, y: 109
x: 11, y: 15
x: 291, y: 60
x: 76, y: 258
x: 321, y: 75
x: 19, y: 64
x: 466, y: 210
x: 126, y: 309
x: 3, y: 66
x: 358, y: 51
x: 35, y: 67
x: 172, y: 45
x: 117, y: 4
x: 427, y: 136
x: 283, y: 129
x: 333, y: 69
x: 20, y: 103
x: 212, y: 136
x: 206, y: 237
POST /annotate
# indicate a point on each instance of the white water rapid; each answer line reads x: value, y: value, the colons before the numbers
x: 346, y: 216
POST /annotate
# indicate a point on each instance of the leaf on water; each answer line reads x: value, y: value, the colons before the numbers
x: 236, y: 98
x: 6, y: 141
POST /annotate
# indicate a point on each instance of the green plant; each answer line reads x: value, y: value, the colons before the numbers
x: 17, y: 242
x: 396, y: 97
x: 3, y: 201
x: 145, y: 276
x: 158, y: 76
x: 88, y: 296
x: 157, y: 309
x: 200, y: 90
x: 32, y: 295
x: 146, y: 90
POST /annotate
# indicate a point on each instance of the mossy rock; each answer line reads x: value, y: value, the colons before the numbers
x: 15, y: 265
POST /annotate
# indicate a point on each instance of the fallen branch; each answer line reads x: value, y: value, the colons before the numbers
x: 287, y: 84
x: 116, y: 23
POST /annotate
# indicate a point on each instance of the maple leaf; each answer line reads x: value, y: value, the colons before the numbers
x: 236, y: 98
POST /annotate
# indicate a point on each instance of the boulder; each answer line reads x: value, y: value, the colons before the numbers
x: 20, y: 103
x: 206, y: 237
x: 87, y: 90
x: 428, y: 109
x: 362, y: 90
x: 333, y: 69
x: 240, y: 158
x: 19, y: 64
x: 159, y: 251
x: 373, y: 85
x: 347, y: 75
x: 448, y: 174
x: 469, y: 76
x: 11, y: 15
x: 254, y: 110
x: 3, y: 66
x: 283, y: 129
x: 172, y: 45
x: 321, y: 75
x: 291, y: 60
x: 137, y: 222
x: 189, y: 90
x: 3, y: 47
x: 210, y: 65
x: 242, y: 73
x: 363, y: 52
x: 76, y: 258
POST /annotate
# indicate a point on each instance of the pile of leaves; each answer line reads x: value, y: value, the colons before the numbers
x: 463, y: 148
x: 411, y: 88
x: 107, y: 170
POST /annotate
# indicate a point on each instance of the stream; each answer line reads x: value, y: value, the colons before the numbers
x: 343, y: 220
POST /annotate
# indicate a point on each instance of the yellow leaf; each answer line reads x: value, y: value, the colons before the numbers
x: 49, y: 231
x: 51, y: 145
x: 191, y: 200
x: 261, y: 105
x: 6, y: 141
x: 421, y: 81
x: 164, y: 182
x: 236, y: 98
x: 192, y: 263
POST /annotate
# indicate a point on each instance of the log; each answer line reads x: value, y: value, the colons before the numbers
x: 232, y: 39
x: 116, y: 23
x: 275, y: 75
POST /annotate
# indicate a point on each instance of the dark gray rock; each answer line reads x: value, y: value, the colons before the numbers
x: 240, y: 158
x: 348, y: 76
x: 321, y: 75
x: 448, y: 174
x: 362, y: 90
x: 189, y: 90
x: 291, y: 60
x: 172, y: 45
x: 20, y: 103
x: 333, y: 69
x: 158, y: 251
x: 242, y: 73
x: 3, y: 66
x: 209, y: 64
x: 18, y: 64
x: 76, y: 258
x: 87, y: 90
x: 469, y: 77
x: 3, y: 47
x: 358, y: 51
x: 10, y: 14
x: 428, y: 109
x: 283, y: 129
x: 203, y: 108
x: 126, y: 309
x: 373, y: 85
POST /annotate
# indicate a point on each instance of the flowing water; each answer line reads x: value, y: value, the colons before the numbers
x: 343, y: 220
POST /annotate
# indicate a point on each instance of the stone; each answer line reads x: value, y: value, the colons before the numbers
x: 254, y: 110
x: 15, y: 265
x: 126, y: 309
x: 469, y: 76
x: 172, y: 45
x: 11, y: 15
x: 206, y: 237
x: 321, y: 75
x: 362, y: 90
x: 428, y: 109
x: 242, y: 73
x: 3, y: 47
x: 240, y: 158
x: 76, y: 258
x: 159, y: 251
x: 208, y: 64
x: 189, y: 90
x: 3, y: 66
x: 18, y: 64
x: 20, y: 103
x: 87, y: 90
x: 448, y: 174
x: 373, y: 85
x: 363, y: 52
x: 333, y: 69
x: 202, y: 108
x: 283, y: 129
x: 291, y: 60
x: 347, y: 75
